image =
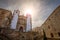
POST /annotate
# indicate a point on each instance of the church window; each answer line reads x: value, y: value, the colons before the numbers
x: 49, y: 27
x: 49, y: 19
x: 52, y: 35
x: 22, y: 36
x: 58, y: 33
x: 0, y: 30
x: 35, y: 38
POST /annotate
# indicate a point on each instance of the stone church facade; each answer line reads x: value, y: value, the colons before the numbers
x: 19, y: 33
x: 50, y: 29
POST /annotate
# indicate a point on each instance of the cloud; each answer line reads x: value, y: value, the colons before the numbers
x: 43, y: 8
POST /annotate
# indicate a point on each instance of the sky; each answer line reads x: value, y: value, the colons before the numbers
x: 41, y: 9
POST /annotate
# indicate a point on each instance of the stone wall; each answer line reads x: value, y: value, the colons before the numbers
x: 51, y: 26
x: 5, y: 18
x: 10, y: 34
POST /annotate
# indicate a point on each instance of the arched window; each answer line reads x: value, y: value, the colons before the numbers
x: 21, y: 29
x: 52, y: 35
x: 48, y: 26
x: 59, y: 33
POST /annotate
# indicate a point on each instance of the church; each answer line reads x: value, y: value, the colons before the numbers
x: 20, y: 22
x: 14, y: 26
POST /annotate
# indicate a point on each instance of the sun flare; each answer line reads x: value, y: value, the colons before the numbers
x: 28, y: 11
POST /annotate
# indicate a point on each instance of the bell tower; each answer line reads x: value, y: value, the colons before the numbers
x: 29, y: 22
x: 20, y: 22
x: 15, y: 19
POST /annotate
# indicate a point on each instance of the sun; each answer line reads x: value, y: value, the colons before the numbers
x: 28, y: 11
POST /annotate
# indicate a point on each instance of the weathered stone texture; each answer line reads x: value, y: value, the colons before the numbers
x: 5, y: 18
x: 51, y: 26
x: 21, y: 24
